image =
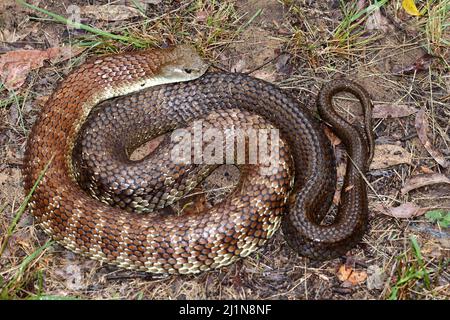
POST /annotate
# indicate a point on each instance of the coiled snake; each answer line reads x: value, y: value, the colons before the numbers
x: 234, y: 228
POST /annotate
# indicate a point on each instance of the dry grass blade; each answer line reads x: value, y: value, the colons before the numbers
x: 422, y: 131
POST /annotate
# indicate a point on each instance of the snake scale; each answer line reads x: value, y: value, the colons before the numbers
x: 165, y: 89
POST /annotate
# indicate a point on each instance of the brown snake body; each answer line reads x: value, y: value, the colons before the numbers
x: 237, y: 226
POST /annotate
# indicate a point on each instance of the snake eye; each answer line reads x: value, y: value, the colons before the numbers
x: 188, y: 71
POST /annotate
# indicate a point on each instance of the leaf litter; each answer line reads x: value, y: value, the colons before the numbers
x: 422, y: 125
x: 15, y: 65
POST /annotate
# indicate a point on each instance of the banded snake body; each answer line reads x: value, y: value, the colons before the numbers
x: 165, y: 89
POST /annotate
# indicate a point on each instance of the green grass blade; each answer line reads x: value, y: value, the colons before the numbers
x: 245, y: 25
x: 82, y: 26
x: 22, y: 208
x: 4, y: 294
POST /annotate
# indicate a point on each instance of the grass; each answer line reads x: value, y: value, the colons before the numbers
x: 350, y: 33
x: 412, y: 273
x: 206, y: 24
x: 58, y: 18
x: 350, y: 36
x: 16, y: 99
x: 209, y: 25
x: 11, y: 99
x: 436, y: 26
x: 441, y: 217
x: 16, y: 285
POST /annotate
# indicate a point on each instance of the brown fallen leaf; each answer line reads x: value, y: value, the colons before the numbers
x: 422, y: 180
x: 239, y: 66
x: 424, y: 169
x: 340, y: 172
x: 60, y: 54
x: 381, y: 111
x: 377, y: 21
x: 283, y: 64
x: 337, y: 198
x: 344, y: 272
x: 433, y: 248
x: 421, y: 64
x: 334, y: 139
x: 421, y: 124
x: 201, y: 16
x: 110, y: 12
x: 387, y: 155
x: 340, y: 169
x: 403, y: 211
x: 264, y: 75
x: 352, y: 277
x: 15, y: 65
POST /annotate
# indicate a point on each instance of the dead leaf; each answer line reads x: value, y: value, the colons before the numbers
x: 433, y: 248
x: 264, y: 75
x: 377, y: 21
x: 110, y: 12
x: 147, y: 148
x: 403, y: 211
x: 15, y: 65
x: 375, y: 277
x: 347, y: 274
x: 424, y: 169
x: 421, y: 64
x: 387, y: 155
x: 422, y: 180
x: 381, y: 111
x: 60, y: 54
x: 337, y: 198
x: 340, y: 169
x: 201, y: 16
x: 334, y: 139
x: 239, y: 66
x: 344, y: 272
x: 422, y: 131
x: 282, y: 64
x: 348, y: 188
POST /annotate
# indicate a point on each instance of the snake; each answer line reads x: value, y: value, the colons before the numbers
x: 168, y: 89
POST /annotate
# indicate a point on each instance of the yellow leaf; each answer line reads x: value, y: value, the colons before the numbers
x: 410, y: 7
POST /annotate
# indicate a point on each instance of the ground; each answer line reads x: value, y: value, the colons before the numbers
x: 401, y: 59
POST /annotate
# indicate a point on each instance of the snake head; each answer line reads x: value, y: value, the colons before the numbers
x: 185, y: 65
